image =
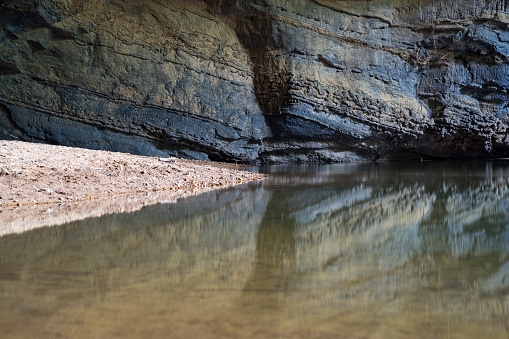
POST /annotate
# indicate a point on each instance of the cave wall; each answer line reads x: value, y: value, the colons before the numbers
x: 263, y: 80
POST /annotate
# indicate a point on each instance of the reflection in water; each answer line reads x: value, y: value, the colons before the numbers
x: 340, y: 251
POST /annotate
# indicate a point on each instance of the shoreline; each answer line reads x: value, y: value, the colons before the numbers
x: 45, y: 185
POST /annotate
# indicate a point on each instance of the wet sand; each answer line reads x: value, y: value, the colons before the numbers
x: 44, y: 185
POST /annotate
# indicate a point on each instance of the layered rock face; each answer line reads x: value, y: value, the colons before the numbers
x: 264, y: 80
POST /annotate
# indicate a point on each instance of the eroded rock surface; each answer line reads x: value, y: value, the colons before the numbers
x: 270, y: 81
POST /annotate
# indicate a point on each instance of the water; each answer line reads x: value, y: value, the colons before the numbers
x: 395, y: 250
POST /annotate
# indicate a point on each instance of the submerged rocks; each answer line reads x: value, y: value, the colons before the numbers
x: 266, y: 80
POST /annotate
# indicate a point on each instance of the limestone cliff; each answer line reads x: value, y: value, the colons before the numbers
x: 263, y: 80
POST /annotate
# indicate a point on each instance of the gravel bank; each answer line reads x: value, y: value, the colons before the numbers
x: 43, y: 185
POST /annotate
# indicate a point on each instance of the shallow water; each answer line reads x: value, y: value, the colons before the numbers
x: 396, y: 250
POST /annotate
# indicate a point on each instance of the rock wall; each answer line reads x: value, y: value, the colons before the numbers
x: 263, y: 80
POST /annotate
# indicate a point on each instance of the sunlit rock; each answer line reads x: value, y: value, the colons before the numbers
x: 272, y: 81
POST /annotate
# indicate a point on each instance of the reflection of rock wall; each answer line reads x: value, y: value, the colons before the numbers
x: 360, y: 250
x: 396, y: 246
x: 270, y: 80
x: 364, y: 228
x: 126, y: 272
x: 473, y: 208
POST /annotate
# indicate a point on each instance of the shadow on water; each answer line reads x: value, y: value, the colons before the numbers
x: 396, y: 250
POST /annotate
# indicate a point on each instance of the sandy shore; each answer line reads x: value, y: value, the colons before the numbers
x: 43, y: 185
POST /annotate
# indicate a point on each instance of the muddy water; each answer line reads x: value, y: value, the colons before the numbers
x: 393, y: 250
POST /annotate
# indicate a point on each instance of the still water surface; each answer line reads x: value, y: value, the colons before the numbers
x: 394, y: 250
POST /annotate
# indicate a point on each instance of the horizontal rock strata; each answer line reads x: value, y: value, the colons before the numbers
x: 259, y: 81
